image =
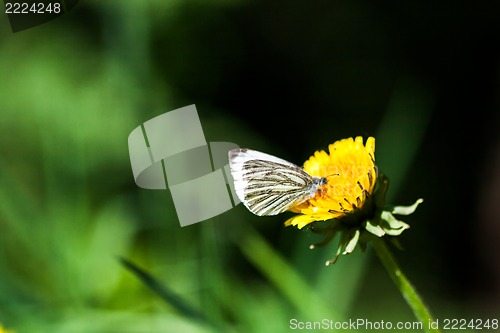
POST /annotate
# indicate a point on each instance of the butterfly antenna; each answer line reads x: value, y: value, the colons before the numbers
x: 331, y: 175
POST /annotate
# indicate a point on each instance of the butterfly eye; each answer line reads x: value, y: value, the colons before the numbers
x: 320, y: 181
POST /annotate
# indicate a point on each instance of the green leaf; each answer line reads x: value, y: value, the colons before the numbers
x: 284, y: 276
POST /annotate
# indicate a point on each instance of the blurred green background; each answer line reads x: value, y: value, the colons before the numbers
x: 287, y: 78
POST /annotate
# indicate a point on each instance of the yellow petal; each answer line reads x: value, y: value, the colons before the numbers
x: 350, y: 171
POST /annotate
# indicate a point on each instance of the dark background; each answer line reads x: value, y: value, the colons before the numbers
x: 280, y: 77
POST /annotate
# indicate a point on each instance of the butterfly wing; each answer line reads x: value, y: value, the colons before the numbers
x: 268, y: 185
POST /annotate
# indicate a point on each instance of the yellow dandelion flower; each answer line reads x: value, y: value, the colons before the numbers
x: 342, y: 187
x: 351, y: 173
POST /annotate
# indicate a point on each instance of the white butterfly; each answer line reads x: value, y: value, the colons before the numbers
x: 268, y: 185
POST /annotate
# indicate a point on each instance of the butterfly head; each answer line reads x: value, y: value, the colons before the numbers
x: 320, y: 181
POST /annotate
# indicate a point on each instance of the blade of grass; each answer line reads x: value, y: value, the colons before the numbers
x: 169, y: 296
x: 402, y: 130
x: 284, y: 277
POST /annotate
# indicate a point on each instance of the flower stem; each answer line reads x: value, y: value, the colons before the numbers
x: 405, y: 287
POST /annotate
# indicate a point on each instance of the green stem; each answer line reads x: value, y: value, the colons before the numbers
x: 407, y: 290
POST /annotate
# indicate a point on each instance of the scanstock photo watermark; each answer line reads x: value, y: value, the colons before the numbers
x: 353, y: 324
x: 452, y: 324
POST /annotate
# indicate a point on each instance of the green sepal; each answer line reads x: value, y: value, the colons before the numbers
x: 406, y: 210
x: 373, y: 228
x: 352, y: 242
x: 375, y: 219
x: 391, y: 225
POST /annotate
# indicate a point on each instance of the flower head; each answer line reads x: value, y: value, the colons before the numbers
x: 352, y: 202
x: 351, y: 173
